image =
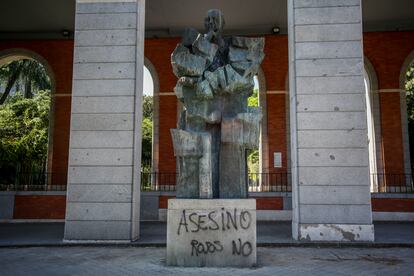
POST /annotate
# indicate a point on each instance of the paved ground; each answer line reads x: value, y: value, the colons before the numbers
x: 151, y: 261
x: 154, y: 233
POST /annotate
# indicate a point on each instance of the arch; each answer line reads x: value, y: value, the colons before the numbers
x: 404, y: 116
x: 263, y: 139
x: 373, y: 123
x: 14, y: 54
x: 155, y: 115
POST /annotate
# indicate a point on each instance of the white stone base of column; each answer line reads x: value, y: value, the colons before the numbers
x: 336, y: 232
x: 211, y: 232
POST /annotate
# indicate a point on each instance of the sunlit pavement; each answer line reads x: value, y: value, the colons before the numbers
x: 112, y: 260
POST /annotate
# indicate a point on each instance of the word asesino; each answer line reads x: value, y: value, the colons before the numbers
x: 214, y: 221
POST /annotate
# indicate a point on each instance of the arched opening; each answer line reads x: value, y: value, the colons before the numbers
x: 257, y: 159
x: 407, y: 116
x: 253, y: 155
x: 373, y: 125
x: 147, y: 121
x: 26, y: 120
x: 150, y: 127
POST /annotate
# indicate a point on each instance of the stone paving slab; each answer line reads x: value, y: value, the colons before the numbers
x: 151, y: 261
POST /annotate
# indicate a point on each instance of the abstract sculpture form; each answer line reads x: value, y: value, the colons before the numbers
x: 215, y: 78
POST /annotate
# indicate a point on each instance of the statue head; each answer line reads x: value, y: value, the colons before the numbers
x: 214, y: 21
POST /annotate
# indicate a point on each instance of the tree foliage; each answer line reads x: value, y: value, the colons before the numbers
x: 147, y: 107
x: 25, y: 72
x: 24, y: 117
x: 409, y: 87
x: 253, y: 100
x: 253, y: 155
x: 147, y: 116
x: 24, y: 127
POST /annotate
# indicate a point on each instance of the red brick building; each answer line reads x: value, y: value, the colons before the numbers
x: 388, y: 48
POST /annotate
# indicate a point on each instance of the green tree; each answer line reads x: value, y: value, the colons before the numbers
x: 24, y: 127
x: 30, y: 72
x: 253, y: 154
x: 146, y: 143
x: 147, y: 112
x: 409, y: 87
x: 147, y: 107
x: 253, y: 100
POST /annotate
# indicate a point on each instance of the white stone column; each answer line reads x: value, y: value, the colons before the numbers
x: 105, y: 138
x: 330, y: 168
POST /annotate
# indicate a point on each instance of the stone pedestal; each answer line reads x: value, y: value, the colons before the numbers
x: 211, y: 232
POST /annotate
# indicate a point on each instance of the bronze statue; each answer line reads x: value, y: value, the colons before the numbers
x: 215, y: 78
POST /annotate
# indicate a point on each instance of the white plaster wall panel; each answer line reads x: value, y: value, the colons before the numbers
x: 100, y: 193
x: 126, y: 7
x: 123, y: 87
x: 312, y: 50
x: 100, y: 157
x: 98, y: 211
x: 329, y: 67
x: 334, y: 157
x: 105, y: 21
x: 327, y: 15
x: 117, y: 104
x: 272, y: 215
x: 105, y: 38
x: 102, y: 122
x: 331, y: 120
x: 323, y: 33
x: 333, y: 176
x: 331, y: 102
x: 97, y: 230
x: 100, y: 71
x: 101, y: 139
x: 332, y: 139
x: 334, y: 195
x: 330, y: 85
x: 336, y: 214
x: 104, y: 54
x: 100, y: 175
x: 393, y: 216
x: 7, y: 205
x: 325, y: 3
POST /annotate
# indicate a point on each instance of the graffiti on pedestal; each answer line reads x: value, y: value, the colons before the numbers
x: 222, y: 220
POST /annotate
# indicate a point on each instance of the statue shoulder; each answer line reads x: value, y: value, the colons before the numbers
x: 189, y: 36
x: 248, y: 43
x: 246, y: 54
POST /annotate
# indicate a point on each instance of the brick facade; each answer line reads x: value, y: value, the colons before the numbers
x: 59, y: 56
x: 158, y: 51
x: 386, y: 51
x: 39, y: 207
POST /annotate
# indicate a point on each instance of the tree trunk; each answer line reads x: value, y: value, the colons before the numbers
x: 10, y: 84
x: 28, y: 89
